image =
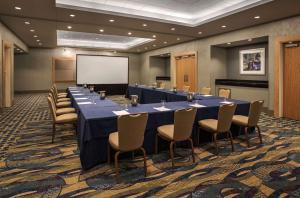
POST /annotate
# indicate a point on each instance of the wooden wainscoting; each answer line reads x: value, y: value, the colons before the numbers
x: 7, y: 79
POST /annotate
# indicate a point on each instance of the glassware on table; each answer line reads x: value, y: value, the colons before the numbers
x: 163, y: 103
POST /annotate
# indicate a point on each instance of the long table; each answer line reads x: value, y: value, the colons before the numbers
x: 149, y: 95
x: 97, y: 121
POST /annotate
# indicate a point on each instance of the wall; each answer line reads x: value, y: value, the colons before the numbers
x: 8, y: 37
x: 33, y: 71
x: 233, y: 62
x: 210, y: 68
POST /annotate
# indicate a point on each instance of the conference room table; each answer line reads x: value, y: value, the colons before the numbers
x: 149, y: 95
x: 96, y: 120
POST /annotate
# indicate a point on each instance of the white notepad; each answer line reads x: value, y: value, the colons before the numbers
x: 197, y: 105
x: 161, y: 109
x: 81, y: 98
x: 119, y: 113
x: 79, y: 94
x: 226, y: 102
x: 82, y: 103
x: 206, y: 95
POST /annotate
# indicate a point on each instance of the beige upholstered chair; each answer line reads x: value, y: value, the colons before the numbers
x: 205, y: 91
x: 186, y: 88
x: 129, y: 137
x: 222, y: 125
x: 162, y: 85
x: 251, y: 120
x: 181, y: 130
x: 69, y: 118
x: 60, y: 104
x: 60, y: 95
x: 224, y: 93
x: 59, y: 98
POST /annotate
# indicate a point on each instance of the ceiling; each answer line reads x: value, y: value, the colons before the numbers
x: 45, y: 18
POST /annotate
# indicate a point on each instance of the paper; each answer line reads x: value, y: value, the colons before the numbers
x: 81, y: 103
x: 206, y: 95
x: 161, y: 109
x: 74, y: 91
x: 160, y: 88
x: 81, y: 98
x: 79, y: 94
x: 197, y: 105
x: 119, y: 113
x: 226, y: 102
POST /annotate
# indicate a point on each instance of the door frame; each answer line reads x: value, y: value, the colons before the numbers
x: 189, y: 53
x: 7, y: 71
x: 278, y: 71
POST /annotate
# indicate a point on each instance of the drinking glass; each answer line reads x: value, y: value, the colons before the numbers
x: 163, y: 103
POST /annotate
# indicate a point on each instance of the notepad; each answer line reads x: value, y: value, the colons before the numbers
x: 197, y: 105
x: 226, y: 102
x: 206, y: 95
x: 83, y: 103
x: 81, y: 98
x: 74, y: 91
x: 79, y: 94
x: 119, y: 113
x: 161, y: 109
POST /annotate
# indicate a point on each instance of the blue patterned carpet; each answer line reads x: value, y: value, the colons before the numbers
x: 33, y: 167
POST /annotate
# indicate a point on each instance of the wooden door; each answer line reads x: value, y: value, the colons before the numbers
x: 186, y: 72
x: 6, y: 76
x: 291, y: 83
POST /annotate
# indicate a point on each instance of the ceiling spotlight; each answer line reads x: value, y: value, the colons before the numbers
x: 114, y: 52
x: 146, y: 48
x: 37, y: 40
x: 223, y: 26
x: 154, y: 45
x: 18, y: 8
x: 40, y: 43
x: 69, y: 27
x: 199, y: 32
x: 72, y: 15
x: 250, y: 39
x: 165, y: 42
x: 101, y: 30
x: 129, y: 33
x: 144, y: 25
x: 111, y: 20
x: 154, y: 36
x: 138, y: 50
x: 35, y: 36
x: 257, y: 17
x: 32, y: 30
x: 228, y: 43
x: 173, y: 29
x: 27, y: 22
x: 178, y: 39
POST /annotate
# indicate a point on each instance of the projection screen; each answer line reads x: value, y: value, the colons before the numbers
x: 96, y: 69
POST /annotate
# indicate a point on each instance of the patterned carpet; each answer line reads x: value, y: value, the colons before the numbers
x: 33, y: 167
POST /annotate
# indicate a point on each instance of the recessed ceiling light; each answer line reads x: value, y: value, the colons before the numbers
x: 72, y: 15
x: 111, y: 20
x: 199, y: 32
x: 250, y: 39
x: 257, y: 17
x: 178, y: 39
x: 154, y: 36
x: 69, y: 27
x: 129, y: 33
x: 101, y: 30
x: 173, y: 29
x: 228, y: 43
x: 145, y: 25
x: 223, y: 26
x: 114, y: 52
x: 165, y: 42
x: 154, y: 45
x: 146, y: 48
x: 96, y: 38
x: 18, y: 8
x: 37, y: 40
x: 35, y: 36
x: 32, y: 30
x: 40, y: 43
x: 138, y: 50
x: 290, y: 42
x: 27, y: 22
x: 18, y: 49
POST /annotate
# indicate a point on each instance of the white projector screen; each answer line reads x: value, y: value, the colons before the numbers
x: 96, y: 69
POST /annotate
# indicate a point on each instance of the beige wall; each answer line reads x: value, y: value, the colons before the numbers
x: 33, y: 71
x: 210, y: 63
x: 6, y: 36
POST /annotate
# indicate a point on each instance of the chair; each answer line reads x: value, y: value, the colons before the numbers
x: 129, y: 137
x: 186, y: 88
x: 68, y: 118
x: 205, y: 90
x: 181, y: 130
x: 59, y: 98
x: 63, y: 95
x: 224, y: 93
x: 59, y: 104
x: 251, y: 120
x: 162, y: 85
x: 222, y: 125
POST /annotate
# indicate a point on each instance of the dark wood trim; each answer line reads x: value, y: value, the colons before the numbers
x: 243, y: 83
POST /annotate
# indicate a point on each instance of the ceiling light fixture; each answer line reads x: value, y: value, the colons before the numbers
x: 154, y: 45
x: 129, y: 33
x: 37, y: 40
x: 27, y: 22
x: 223, y: 26
x: 69, y: 27
x: 199, y: 32
x: 145, y: 25
x: 18, y: 8
x: 250, y: 39
x: 35, y: 36
x: 72, y: 15
x: 111, y: 20
x: 40, y: 43
x: 178, y: 39
x: 257, y: 17
x: 228, y: 43
x: 173, y: 29
x: 32, y: 30
x: 101, y: 30
x: 154, y: 36
x: 165, y: 42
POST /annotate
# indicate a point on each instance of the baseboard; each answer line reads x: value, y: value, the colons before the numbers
x: 31, y: 91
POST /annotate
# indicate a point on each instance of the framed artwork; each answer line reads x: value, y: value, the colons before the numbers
x: 252, y: 61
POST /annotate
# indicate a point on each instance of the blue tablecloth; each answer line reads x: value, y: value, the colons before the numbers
x: 148, y: 95
x: 97, y: 121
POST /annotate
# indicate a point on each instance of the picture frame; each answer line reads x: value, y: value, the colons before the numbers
x: 252, y: 62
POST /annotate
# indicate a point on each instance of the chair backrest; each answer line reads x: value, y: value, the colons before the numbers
x: 224, y: 93
x: 225, y: 116
x: 186, y: 88
x: 52, y: 107
x: 183, y: 123
x: 131, y: 130
x: 162, y: 85
x: 254, y: 112
x: 53, y: 95
x: 205, y: 90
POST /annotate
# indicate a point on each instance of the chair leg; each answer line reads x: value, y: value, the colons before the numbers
x: 216, y: 144
x: 172, y: 153
x: 247, y: 136
x: 108, y: 153
x: 156, y: 143
x: 231, y: 141
x: 117, y: 164
x: 192, y: 147
x: 132, y: 155
x: 198, y: 136
x: 259, y: 134
x: 145, y: 161
x: 53, y: 132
